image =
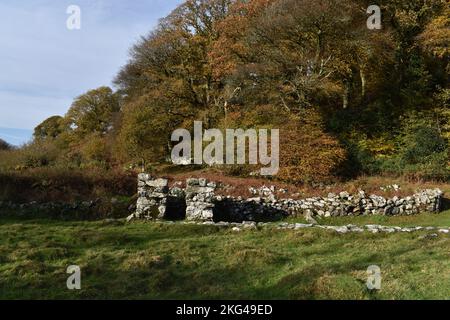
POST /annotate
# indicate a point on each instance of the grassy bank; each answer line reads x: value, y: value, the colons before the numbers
x: 163, y: 261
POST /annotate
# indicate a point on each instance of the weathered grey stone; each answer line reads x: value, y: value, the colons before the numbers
x: 144, y: 177
x: 131, y: 217
x: 157, y: 183
x: 338, y: 229
x: 249, y: 225
x: 199, y: 200
x: 302, y: 225
x: 202, y: 182
x: 152, y: 201
x: 192, y: 182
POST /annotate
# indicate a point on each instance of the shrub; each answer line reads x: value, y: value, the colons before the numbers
x: 425, y: 154
x: 4, y: 145
x: 34, y: 155
x: 360, y: 160
x: 95, y: 150
x: 60, y: 184
x: 423, y: 145
x: 422, y: 154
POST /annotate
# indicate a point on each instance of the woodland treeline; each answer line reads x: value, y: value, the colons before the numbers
x: 347, y: 100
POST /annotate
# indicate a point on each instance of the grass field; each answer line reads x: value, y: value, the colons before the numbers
x: 172, y: 261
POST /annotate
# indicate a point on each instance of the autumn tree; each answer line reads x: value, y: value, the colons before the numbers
x: 169, y: 76
x: 436, y: 35
x: 344, y: 96
x: 307, y: 152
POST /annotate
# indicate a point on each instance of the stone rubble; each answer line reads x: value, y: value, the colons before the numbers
x: 251, y: 225
x: 62, y: 210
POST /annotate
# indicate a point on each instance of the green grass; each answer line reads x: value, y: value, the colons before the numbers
x: 424, y: 220
x: 175, y: 261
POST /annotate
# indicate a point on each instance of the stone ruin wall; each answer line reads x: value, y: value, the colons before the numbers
x: 198, y: 202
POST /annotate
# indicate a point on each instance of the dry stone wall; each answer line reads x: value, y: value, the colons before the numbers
x: 198, y: 202
x: 345, y: 204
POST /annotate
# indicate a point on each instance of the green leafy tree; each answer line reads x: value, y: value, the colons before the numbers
x: 145, y: 133
x: 49, y: 128
x: 93, y: 112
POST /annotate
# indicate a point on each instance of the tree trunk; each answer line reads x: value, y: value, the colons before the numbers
x: 345, y: 96
x: 362, y: 75
x: 143, y: 165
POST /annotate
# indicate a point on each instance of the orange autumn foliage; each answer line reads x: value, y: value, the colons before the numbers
x: 307, y: 152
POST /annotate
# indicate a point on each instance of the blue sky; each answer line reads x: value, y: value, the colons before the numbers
x: 44, y: 66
